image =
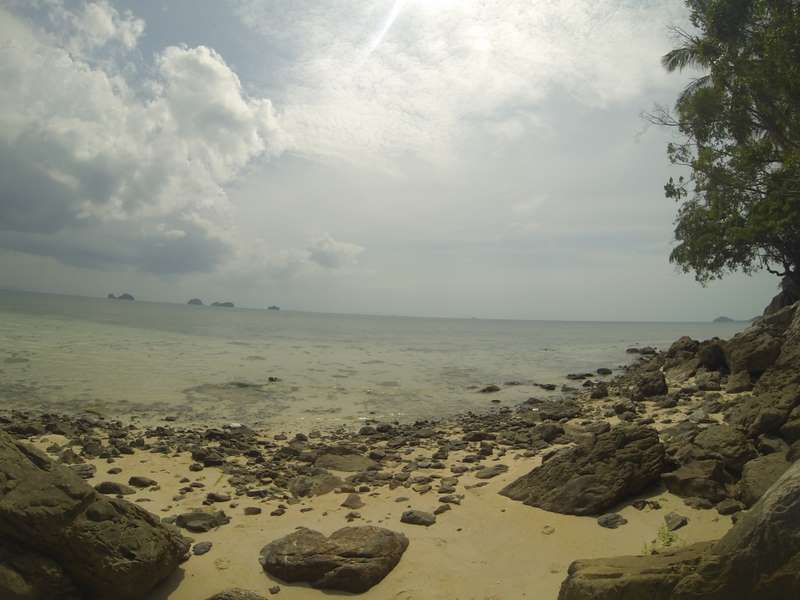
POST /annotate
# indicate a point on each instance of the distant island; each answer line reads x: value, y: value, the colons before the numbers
x: 273, y: 307
x: 724, y: 320
x: 196, y: 302
x: 223, y: 304
x: 120, y: 297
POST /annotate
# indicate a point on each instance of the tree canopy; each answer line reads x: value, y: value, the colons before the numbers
x: 739, y: 125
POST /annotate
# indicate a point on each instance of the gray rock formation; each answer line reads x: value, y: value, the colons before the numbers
x: 106, y: 547
x: 757, y: 558
x: 593, y: 477
x: 352, y: 559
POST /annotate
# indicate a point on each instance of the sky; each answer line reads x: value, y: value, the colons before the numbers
x: 462, y: 158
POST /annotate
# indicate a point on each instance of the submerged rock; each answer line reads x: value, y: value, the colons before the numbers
x: 352, y: 559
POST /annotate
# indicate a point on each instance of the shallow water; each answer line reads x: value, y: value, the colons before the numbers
x: 212, y: 364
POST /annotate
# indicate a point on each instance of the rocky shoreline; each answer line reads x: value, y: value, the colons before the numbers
x: 700, y: 438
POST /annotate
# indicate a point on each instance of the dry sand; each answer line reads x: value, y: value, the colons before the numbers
x: 489, y: 547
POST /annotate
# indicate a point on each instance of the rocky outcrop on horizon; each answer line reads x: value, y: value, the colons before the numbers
x: 124, y: 296
x: 223, y: 304
x: 195, y: 302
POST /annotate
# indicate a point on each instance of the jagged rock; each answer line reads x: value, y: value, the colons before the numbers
x: 314, y: 485
x: 195, y: 302
x: 789, y: 294
x: 754, y: 350
x: 589, y: 479
x: 647, y: 384
x: 726, y: 444
x: 711, y: 355
x: 108, y: 548
x: 352, y: 559
x: 757, y: 558
x: 739, y: 382
x: 698, y: 479
x: 759, y: 474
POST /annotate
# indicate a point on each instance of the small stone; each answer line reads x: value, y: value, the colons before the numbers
x: 141, y: 482
x: 675, y: 521
x: 442, y: 508
x: 548, y: 530
x: 201, y: 548
x: 611, y: 520
x: 252, y: 510
x: 418, y: 517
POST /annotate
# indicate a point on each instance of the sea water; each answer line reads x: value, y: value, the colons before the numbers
x: 153, y: 360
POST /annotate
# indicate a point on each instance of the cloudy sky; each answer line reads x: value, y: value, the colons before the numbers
x: 422, y: 157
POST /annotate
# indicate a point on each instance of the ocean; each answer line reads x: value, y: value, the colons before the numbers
x: 287, y: 369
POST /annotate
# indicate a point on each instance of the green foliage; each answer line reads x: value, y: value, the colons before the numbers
x: 740, y: 129
x: 664, y: 539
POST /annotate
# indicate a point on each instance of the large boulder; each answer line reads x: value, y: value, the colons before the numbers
x: 646, y: 384
x: 759, y: 474
x: 758, y: 558
x: 754, y: 351
x: 108, y: 548
x: 698, y: 479
x: 591, y: 478
x: 352, y: 559
x: 725, y: 443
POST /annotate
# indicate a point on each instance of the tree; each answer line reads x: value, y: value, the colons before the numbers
x: 739, y: 125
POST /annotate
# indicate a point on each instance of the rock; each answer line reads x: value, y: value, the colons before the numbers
x: 223, y: 304
x: 490, y: 472
x: 708, y: 381
x: 352, y: 559
x: 739, y: 382
x: 214, y: 497
x: 599, y: 390
x: 251, y: 511
x: 634, y: 577
x: 611, y: 520
x: 711, y: 355
x: 789, y: 294
x: 729, y: 506
x: 700, y: 478
x: 114, y: 488
x: 417, y: 517
x: 604, y: 371
x: 27, y: 575
x: 201, y: 521
x: 201, y: 548
x: 647, y: 384
x: 195, y: 302
x: 107, y: 548
x: 757, y: 558
x: 591, y: 478
x: 314, y: 485
x: 352, y: 501
x: 141, y: 482
x: 236, y: 594
x: 490, y: 389
x: 84, y: 470
x: 345, y: 462
x: 754, y: 351
x: 759, y: 474
x: 726, y: 444
x: 674, y: 521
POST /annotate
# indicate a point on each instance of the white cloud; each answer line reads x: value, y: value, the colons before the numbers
x: 445, y: 70
x: 332, y: 254
x: 92, y: 152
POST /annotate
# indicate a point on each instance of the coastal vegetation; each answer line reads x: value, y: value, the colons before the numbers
x: 739, y: 126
